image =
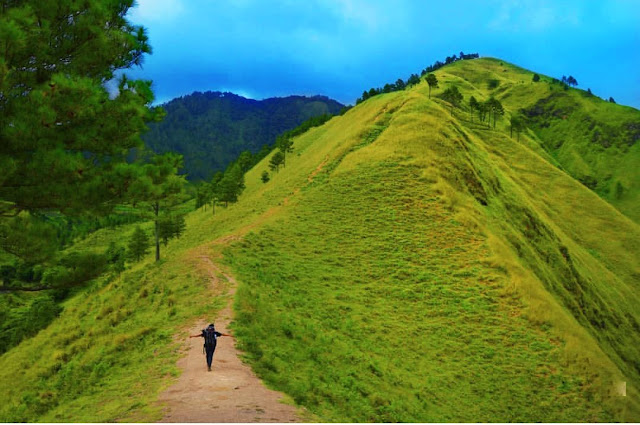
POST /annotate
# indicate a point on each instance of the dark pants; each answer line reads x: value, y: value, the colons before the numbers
x: 209, y: 351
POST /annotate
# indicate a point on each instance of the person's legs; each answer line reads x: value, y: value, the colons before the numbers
x: 210, y: 351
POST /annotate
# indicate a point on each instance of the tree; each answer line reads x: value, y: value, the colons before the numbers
x: 138, y: 244
x: 203, y: 194
x: 245, y: 160
x: 285, y: 144
x: 276, y: 161
x: 572, y: 81
x: 494, y: 107
x: 413, y: 80
x: 64, y: 138
x: 536, y: 78
x: 232, y: 184
x: 265, y: 176
x: 612, y: 100
x: 453, y: 96
x: 517, y: 125
x: 171, y: 226
x: 158, y: 189
x: 400, y: 85
x: 432, y: 80
x: 473, y: 105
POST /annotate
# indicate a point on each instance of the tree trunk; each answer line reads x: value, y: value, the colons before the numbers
x: 156, y: 208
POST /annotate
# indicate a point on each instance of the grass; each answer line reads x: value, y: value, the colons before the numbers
x: 595, y: 141
x: 112, y: 346
x: 393, y: 315
x: 406, y: 265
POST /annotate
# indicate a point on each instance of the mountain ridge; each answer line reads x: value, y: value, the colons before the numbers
x: 407, y: 264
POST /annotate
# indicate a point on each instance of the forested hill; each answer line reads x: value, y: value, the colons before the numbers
x: 210, y: 129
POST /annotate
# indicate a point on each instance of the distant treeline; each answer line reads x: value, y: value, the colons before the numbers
x: 413, y: 79
x: 225, y: 187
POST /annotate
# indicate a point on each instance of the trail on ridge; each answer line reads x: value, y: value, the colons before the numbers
x: 231, y: 392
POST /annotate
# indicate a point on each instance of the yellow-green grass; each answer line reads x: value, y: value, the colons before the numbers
x: 595, y: 141
x: 112, y: 349
x: 374, y: 283
x: 329, y: 258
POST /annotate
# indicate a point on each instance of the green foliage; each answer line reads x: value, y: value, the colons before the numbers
x: 432, y: 81
x: 24, y: 316
x: 265, y: 176
x: 517, y: 124
x: 171, y: 226
x: 210, y: 129
x: 52, y: 75
x: 453, y: 96
x: 535, y: 78
x: 276, y: 161
x: 231, y: 185
x: 139, y: 244
x: 116, y: 256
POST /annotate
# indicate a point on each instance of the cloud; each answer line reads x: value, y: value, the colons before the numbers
x: 156, y: 10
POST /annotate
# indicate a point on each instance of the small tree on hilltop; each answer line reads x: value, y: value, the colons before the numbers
x: 413, y: 80
x: 536, y: 78
x: 432, y: 80
x: 453, y: 96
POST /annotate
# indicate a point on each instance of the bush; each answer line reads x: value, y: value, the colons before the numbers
x: 536, y: 78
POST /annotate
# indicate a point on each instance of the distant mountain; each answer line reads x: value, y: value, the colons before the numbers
x: 211, y: 129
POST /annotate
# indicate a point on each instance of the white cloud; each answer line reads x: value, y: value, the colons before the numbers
x: 156, y: 10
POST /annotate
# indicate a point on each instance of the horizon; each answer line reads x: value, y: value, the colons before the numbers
x: 339, y: 49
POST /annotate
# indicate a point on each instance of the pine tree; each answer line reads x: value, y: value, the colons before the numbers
x: 63, y: 138
x: 453, y: 96
x: 276, y: 161
x: 138, y: 244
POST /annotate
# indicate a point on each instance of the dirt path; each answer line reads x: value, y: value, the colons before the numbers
x: 231, y: 392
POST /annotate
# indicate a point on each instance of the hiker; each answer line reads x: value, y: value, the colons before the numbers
x: 210, y: 336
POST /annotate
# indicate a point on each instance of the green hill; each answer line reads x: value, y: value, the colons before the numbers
x: 406, y: 265
x: 210, y: 129
x: 596, y: 142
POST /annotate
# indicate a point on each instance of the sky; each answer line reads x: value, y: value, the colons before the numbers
x: 338, y: 48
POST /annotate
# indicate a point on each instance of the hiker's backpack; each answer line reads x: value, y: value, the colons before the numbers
x: 209, y: 337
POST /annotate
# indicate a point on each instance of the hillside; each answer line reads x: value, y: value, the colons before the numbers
x: 211, y: 129
x: 406, y: 265
x: 595, y: 141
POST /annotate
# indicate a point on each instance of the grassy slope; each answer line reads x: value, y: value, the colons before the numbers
x: 378, y: 294
x: 381, y: 289
x: 593, y: 140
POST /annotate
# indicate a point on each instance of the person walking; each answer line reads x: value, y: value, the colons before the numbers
x: 210, y: 336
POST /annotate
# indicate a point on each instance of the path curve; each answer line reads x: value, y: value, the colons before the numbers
x: 231, y: 392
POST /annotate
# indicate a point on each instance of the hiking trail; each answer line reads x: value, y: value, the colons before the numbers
x: 231, y: 392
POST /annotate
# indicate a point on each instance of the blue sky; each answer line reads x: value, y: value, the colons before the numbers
x: 338, y: 48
